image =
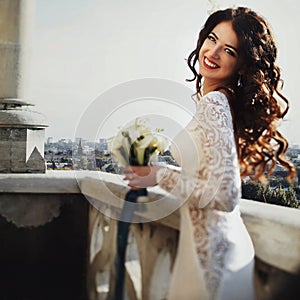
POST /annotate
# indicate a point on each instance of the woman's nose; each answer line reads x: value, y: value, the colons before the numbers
x: 215, y: 52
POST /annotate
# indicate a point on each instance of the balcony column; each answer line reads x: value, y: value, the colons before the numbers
x: 15, y: 32
x: 22, y: 131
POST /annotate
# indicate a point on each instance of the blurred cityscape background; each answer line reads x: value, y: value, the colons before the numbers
x: 81, y: 154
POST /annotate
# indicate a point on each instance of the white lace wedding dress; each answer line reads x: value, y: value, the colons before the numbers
x: 215, y: 258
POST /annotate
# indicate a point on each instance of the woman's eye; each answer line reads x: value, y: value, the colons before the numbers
x: 211, y: 38
x: 230, y: 52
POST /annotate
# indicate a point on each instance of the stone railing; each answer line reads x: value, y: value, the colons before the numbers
x: 151, y: 251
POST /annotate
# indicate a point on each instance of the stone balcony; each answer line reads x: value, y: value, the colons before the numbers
x: 56, y: 245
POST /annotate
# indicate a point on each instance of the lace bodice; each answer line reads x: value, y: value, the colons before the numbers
x: 206, y: 151
x: 208, y: 183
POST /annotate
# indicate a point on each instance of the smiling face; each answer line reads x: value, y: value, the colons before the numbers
x: 219, y: 59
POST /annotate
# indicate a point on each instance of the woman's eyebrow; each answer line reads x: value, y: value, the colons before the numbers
x: 227, y: 45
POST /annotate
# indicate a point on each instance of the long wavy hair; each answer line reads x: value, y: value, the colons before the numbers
x: 256, y: 102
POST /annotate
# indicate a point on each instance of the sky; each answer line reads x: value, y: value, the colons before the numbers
x: 96, y: 65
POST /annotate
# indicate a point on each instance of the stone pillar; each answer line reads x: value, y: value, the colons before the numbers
x: 22, y: 131
x: 15, y: 32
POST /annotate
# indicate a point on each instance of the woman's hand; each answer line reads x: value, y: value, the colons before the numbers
x: 141, y: 176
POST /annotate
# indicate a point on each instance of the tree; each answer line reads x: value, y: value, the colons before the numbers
x: 254, y: 190
x: 291, y: 198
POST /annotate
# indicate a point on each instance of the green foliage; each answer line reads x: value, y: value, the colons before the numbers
x: 291, y: 198
x: 252, y: 190
x: 264, y: 193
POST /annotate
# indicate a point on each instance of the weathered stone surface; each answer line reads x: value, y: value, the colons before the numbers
x: 53, y: 182
x: 20, y: 118
x: 28, y: 211
x: 275, y: 231
x: 17, y: 126
x: 35, y: 139
x: 8, y: 134
x: 275, y: 265
x: 5, y: 166
x: 36, y: 162
x: 21, y: 150
x: 46, y: 262
x: 21, y: 145
x: 9, y: 47
x: 15, y: 30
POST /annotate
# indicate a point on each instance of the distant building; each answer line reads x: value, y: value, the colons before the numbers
x: 65, y: 141
x: 103, y: 146
x: 87, y: 150
x: 80, y: 149
x: 79, y: 139
x: 50, y: 140
x: 295, y: 146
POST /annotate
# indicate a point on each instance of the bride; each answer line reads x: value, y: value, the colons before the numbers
x: 233, y: 134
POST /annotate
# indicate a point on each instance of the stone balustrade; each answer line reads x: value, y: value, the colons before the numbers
x: 152, y: 243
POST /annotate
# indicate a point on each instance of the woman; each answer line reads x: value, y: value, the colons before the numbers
x: 232, y: 135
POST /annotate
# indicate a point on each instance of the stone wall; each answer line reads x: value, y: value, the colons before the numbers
x: 77, y: 243
x: 43, y: 254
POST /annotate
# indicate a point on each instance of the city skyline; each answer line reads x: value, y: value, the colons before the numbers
x: 83, y: 49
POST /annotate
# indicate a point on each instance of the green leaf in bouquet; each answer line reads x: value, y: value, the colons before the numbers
x: 148, y: 153
x: 133, y: 156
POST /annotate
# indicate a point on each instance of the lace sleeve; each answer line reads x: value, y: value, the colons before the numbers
x: 214, y: 179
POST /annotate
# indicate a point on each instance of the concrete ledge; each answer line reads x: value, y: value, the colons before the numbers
x: 55, y: 182
x: 275, y: 230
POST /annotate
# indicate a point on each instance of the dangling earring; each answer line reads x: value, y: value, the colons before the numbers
x: 239, y: 82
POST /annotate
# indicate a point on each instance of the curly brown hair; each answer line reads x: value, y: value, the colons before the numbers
x: 255, y: 99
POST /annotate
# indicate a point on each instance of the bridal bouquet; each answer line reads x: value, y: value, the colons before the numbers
x: 137, y: 144
x: 134, y: 145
